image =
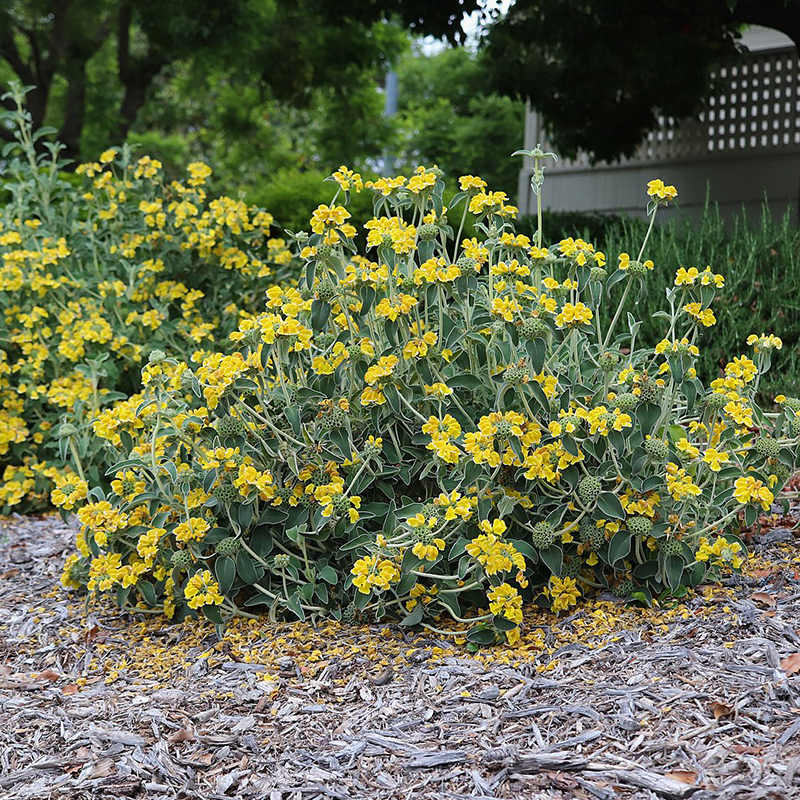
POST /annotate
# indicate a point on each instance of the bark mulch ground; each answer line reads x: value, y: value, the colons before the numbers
x: 699, y: 700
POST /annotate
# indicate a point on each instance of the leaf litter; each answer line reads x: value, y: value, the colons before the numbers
x: 700, y: 699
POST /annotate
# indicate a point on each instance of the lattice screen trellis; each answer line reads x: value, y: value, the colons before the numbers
x: 756, y: 107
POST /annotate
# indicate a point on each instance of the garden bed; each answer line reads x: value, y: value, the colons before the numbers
x: 702, y: 699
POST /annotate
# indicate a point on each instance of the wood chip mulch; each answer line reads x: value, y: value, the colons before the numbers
x: 698, y: 700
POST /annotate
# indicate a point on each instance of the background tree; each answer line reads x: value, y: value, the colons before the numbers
x: 451, y: 115
x: 601, y: 71
x: 286, y: 47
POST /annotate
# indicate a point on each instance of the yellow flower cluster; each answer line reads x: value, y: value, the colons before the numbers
x: 125, y: 262
x: 202, y: 590
x: 373, y: 572
x: 505, y: 601
x: 748, y: 489
x: 720, y: 552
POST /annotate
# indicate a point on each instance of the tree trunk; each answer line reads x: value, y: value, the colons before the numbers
x: 136, y: 75
x: 75, y: 110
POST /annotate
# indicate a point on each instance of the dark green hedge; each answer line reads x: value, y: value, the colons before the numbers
x: 759, y: 257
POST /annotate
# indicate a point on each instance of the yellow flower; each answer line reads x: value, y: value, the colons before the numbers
x: 438, y: 390
x: 497, y: 527
x: 447, y: 427
x: 720, y: 553
x: 765, y: 342
x: 374, y: 572
x: 429, y: 551
x: 192, y: 530
x: 202, y: 590
x: 748, y: 489
x: 659, y: 192
x: 687, y: 448
x: 505, y: 601
x: 69, y: 491
x: 715, y: 459
x: 347, y: 179
x: 563, y: 592
x: 471, y: 184
x: 574, y: 314
x: 328, y: 217
x: 705, y: 316
x: 418, y: 348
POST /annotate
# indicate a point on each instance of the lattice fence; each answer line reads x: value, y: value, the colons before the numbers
x: 755, y: 107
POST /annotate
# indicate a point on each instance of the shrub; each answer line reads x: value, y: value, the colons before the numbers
x: 593, y: 227
x: 761, y: 261
x: 98, y: 268
x: 438, y: 427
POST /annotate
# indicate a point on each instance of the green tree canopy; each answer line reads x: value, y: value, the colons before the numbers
x: 450, y: 114
x: 601, y: 71
x: 285, y: 47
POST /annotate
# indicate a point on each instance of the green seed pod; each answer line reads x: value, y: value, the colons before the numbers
x: 467, y: 265
x: 639, y: 526
x: 670, y: 547
x: 427, y: 232
x: 624, y: 588
x: 228, y: 427
x: 627, y: 401
x: 226, y: 493
x: 543, y: 535
x: 608, y: 361
x: 597, y: 274
x: 715, y: 401
x: 533, y: 328
x: 781, y: 472
x: 335, y: 418
x: 228, y: 546
x: 340, y: 503
x: 181, y: 559
x: 571, y: 568
x: 516, y: 375
x: 656, y: 449
x: 649, y: 391
x: 767, y: 447
x: 324, y: 340
x: 284, y: 493
x: 324, y: 251
x: 503, y: 429
x: 589, y: 490
x: 637, y: 269
x: 794, y: 426
x: 326, y: 291
x: 372, y: 448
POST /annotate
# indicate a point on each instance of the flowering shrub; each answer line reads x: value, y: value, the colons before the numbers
x: 95, y: 273
x: 438, y: 427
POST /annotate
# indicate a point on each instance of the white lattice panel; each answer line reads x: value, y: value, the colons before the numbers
x: 754, y: 108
